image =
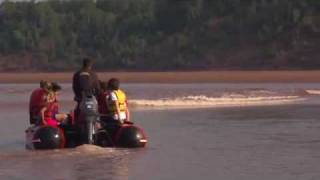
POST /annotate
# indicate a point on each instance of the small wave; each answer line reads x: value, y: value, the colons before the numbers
x: 313, y: 91
x: 87, y: 148
x: 224, y: 101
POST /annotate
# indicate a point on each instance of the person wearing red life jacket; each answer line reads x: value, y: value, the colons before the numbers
x: 102, y: 100
x: 38, y: 101
x: 50, y: 112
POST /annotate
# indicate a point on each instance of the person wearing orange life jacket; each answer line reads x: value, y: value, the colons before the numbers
x: 117, y: 104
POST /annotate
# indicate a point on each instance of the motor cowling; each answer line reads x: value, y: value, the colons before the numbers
x: 88, y: 117
x: 48, y: 137
x: 130, y: 136
x: 89, y: 106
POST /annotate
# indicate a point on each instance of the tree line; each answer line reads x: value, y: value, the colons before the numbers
x: 54, y: 35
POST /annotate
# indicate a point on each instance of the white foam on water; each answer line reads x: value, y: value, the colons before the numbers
x: 87, y: 148
x: 313, y: 91
x: 223, y: 101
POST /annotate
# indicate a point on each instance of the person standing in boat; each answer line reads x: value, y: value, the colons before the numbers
x: 85, y: 81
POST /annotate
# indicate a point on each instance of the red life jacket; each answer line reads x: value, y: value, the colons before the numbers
x: 49, y: 114
x: 52, y: 110
x: 37, y: 101
x: 102, y: 103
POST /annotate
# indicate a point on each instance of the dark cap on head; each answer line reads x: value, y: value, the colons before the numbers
x: 113, y: 84
x: 42, y: 83
x: 87, y: 63
x: 55, y: 87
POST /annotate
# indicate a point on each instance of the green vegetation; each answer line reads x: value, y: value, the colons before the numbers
x: 160, y: 34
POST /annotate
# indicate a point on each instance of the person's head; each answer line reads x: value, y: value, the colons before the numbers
x: 87, y: 63
x: 103, y: 85
x: 55, y: 87
x: 113, y: 84
x: 51, y: 97
x: 45, y: 85
x: 42, y: 83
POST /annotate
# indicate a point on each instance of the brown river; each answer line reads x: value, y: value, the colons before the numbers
x: 195, y: 131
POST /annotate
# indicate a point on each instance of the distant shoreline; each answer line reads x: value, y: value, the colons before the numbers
x: 176, y: 77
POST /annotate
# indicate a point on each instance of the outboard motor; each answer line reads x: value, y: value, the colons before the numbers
x: 89, y: 116
x: 44, y: 137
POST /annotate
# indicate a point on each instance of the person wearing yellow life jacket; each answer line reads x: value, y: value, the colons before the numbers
x: 117, y: 104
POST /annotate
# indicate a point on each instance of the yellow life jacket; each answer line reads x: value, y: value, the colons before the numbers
x: 121, y: 96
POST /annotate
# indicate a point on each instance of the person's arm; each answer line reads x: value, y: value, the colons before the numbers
x: 128, y: 115
x: 118, y: 108
x: 61, y: 117
x: 114, y: 100
x: 76, y: 87
x: 84, y: 84
x: 31, y: 102
x: 42, y: 115
x: 74, y: 83
x: 96, y: 84
x: 127, y: 112
x: 107, y: 100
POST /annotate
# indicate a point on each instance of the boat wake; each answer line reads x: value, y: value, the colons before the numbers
x: 313, y: 91
x: 224, y: 101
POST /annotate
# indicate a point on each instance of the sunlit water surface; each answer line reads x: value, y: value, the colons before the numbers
x: 195, y: 131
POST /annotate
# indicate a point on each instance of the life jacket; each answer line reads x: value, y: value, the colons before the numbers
x: 122, y: 102
x: 52, y: 110
x: 102, y: 102
x: 37, y: 102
